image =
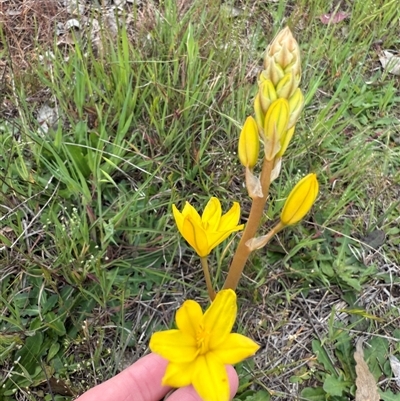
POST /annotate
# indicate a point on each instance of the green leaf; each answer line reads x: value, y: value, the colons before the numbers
x: 259, y: 396
x: 352, y: 282
x: 30, y: 353
x: 389, y: 396
x: 49, y: 304
x: 55, y: 323
x: 376, y: 355
x: 54, y: 348
x: 323, y: 356
x: 335, y: 385
x: 79, y: 160
x: 313, y: 394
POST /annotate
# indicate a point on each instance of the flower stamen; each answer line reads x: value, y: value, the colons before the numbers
x: 202, y: 340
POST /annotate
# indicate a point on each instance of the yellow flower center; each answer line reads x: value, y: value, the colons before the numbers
x: 202, y: 340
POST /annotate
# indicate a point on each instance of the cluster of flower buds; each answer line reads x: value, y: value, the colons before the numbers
x: 277, y: 107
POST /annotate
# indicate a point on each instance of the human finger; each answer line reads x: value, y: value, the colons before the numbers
x: 140, y: 382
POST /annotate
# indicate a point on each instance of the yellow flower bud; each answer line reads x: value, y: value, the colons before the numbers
x: 285, y: 140
x: 267, y: 94
x: 286, y: 86
x: 249, y: 143
x: 273, y: 72
x: 283, y: 52
x: 296, y: 103
x: 276, y: 121
x: 300, y: 200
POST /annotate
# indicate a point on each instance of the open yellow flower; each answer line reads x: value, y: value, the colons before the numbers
x: 201, y: 347
x: 206, y: 232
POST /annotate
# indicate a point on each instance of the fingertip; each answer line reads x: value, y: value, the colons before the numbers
x: 140, y: 382
x: 233, y: 380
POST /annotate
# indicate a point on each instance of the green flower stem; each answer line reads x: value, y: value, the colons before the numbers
x: 257, y: 208
x: 206, y: 271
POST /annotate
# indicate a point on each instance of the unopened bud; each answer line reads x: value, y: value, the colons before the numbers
x: 260, y: 115
x: 300, y: 200
x: 283, y: 52
x: 296, y: 103
x: 249, y: 143
x: 267, y: 94
x: 285, y: 140
x: 275, y: 125
x: 286, y: 86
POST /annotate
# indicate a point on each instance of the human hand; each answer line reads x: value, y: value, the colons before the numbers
x: 142, y: 382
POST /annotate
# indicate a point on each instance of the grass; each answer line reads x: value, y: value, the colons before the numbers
x: 91, y: 261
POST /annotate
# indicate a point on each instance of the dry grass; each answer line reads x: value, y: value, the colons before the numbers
x: 29, y: 23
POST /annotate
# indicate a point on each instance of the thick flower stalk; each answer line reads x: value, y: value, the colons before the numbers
x: 206, y: 232
x: 300, y: 200
x: 202, y: 345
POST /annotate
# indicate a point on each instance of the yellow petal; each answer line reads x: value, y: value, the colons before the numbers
x: 216, y: 238
x: 210, y: 379
x: 300, y: 200
x: 235, y: 348
x: 230, y: 219
x: 189, y: 210
x: 195, y: 235
x: 178, y: 374
x: 211, y: 214
x: 178, y: 217
x: 174, y: 346
x: 220, y: 317
x: 188, y: 317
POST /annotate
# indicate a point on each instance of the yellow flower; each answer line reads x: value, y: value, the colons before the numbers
x: 300, y: 200
x: 206, y: 232
x: 201, y: 347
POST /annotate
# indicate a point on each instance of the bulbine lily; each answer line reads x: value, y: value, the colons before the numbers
x: 202, y: 345
x: 206, y: 232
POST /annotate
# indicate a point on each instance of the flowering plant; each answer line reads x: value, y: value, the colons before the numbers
x: 202, y: 344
